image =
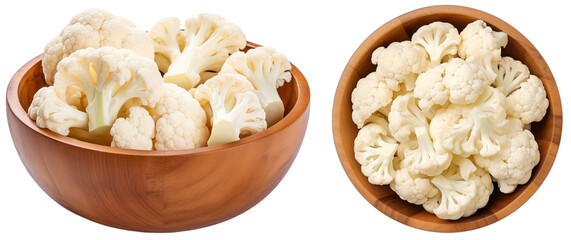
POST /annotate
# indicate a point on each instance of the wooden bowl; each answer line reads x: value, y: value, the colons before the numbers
x: 547, y: 132
x: 156, y: 191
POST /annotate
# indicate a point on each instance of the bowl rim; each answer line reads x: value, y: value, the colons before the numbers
x: 344, y: 83
x: 299, y: 108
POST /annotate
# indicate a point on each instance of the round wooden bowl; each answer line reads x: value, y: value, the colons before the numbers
x: 547, y: 132
x: 156, y: 191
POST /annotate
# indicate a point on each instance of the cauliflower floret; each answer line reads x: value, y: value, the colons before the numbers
x: 529, y: 102
x: 370, y: 95
x: 181, y: 122
x: 400, y: 62
x: 134, y: 132
x: 202, y: 48
x: 478, y: 38
x: 510, y: 74
x: 439, y: 39
x: 53, y: 113
x: 375, y: 151
x: 414, y: 188
x: 466, y: 81
x: 514, y: 163
x: 479, y: 127
x: 267, y: 70
x: 421, y: 155
x: 404, y: 117
x: 94, y: 28
x: 233, y: 109
x: 430, y: 89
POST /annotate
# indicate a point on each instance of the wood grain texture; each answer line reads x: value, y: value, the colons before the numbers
x: 156, y: 191
x: 547, y: 132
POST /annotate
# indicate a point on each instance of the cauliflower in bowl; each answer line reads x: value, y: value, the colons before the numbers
x: 444, y: 116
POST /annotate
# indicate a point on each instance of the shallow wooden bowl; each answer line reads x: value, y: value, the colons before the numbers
x: 547, y: 132
x: 156, y: 191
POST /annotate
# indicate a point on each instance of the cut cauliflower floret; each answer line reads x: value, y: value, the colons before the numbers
x: 233, y: 109
x: 267, y: 70
x: 368, y: 97
x: 375, y: 151
x: 421, y: 155
x: 466, y: 81
x: 528, y: 103
x: 430, y: 90
x: 400, y: 62
x: 510, y: 74
x: 202, y: 48
x: 404, y: 117
x: 479, y: 38
x: 134, y: 132
x: 513, y: 164
x: 439, y: 39
x: 181, y: 122
x: 94, y: 28
x: 53, y: 113
x: 414, y: 188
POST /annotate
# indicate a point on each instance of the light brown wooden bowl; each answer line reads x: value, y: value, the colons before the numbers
x: 156, y: 191
x: 547, y: 132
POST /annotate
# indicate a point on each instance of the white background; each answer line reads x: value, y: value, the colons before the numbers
x: 315, y: 199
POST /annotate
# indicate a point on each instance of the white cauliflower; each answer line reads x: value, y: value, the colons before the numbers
x: 514, y: 163
x: 466, y: 81
x: 510, y: 74
x: 233, y: 109
x: 430, y: 89
x: 134, y: 132
x: 422, y: 155
x: 267, y: 70
x: 181, y: 122
x: 414, y: 188
x: 368, y: 97
x: 400, y: 62
x: 202, y: 48
x: 528, y: 103
x: 51, y: 112
x: 404, y: 117
x: 375, y: 150
x: 478, y: 38
x: 439, y: 39
x: 94, y: 28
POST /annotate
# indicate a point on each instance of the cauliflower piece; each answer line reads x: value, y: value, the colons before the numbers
x: 404, y: 117
x: 51, y: 112
x: 414, y: 188
x: 479, y: 38
x: 422, y: 156
x: 479, y: 127
x: 233, y: 109
x: 400, y: 62
x: 202, y: 47
x: 466, y: 81
x: 375, y: 150
x: 510, y: 74
x: 368, y: 97
x: 267, y: 70
x: 528, y: 103
x: 439, y: 39
x: 108, y: 77
x: 134, y: 132
x: 514, y: 163
x: 430, y: 89
x: 181, y: 122
x: 460, y: 196
x: 94, y: 28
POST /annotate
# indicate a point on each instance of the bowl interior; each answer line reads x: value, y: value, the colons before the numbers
x: 547, y: 132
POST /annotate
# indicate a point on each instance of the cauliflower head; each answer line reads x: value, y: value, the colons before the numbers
x: 94, y: 28
x: 400, y: 62
x: 439, y: 39
x: 267, y: 70
x: 192, y: 56
x: 510, y: 74
x: 414, y: 188
x: 477, y: 38
x: 422, y: 155
x: 430, y: 89
x: 404, y: 117
x: 466, y: 81
x: 375, y: 150
x: 108, y: 77
x: 181, y: 122
x: 514, y: 163
x: 134, y: 132
x: 232, y: 107
x: 370, y: 95
x: 51, y: 112
x: 528, y: 103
